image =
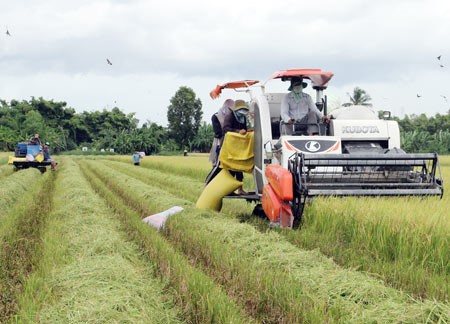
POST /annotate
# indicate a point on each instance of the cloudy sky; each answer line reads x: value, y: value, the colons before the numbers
x: 57, y: 49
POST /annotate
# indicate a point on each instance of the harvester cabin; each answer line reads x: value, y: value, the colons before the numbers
x: 274, y: 101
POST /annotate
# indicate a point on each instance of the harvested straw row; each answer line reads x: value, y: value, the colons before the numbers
x: 275, y: 277
x: 183, y: 187
x: 201, y: 300
x: 20, y: 238
x: 191, y: 166
x: 178, y: 185
x: 14, y: 187
x: 5, y: 170
x: 88, y: 272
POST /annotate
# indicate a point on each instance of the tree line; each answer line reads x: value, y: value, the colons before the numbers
x: 68, y: 130
x: 418, y: 133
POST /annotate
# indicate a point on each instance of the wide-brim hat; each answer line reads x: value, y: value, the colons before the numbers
x: 239, y: 104
x: 296, y: 81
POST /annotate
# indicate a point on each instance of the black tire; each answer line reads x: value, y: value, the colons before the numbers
x: 259, y: 211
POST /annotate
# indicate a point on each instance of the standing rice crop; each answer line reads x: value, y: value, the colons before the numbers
x: 405, y: 240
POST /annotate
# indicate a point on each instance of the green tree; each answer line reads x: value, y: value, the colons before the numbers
x: 360, y: 97
x: 184, y: 115
x: 34, y: 123
x: 8, y: 139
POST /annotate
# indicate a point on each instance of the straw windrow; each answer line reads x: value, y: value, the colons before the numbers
x: 88, y: 272
x: 201, y: 299
x: 20, y: 235
x: 14, y: 187
x: 5, y: 170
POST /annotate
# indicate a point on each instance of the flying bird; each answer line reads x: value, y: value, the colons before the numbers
x: 418, y: 96
x: 108, y: 61
x: 439, y: 57
x: 445, y: 98
x: 441, y: 65
x: 7, y: 32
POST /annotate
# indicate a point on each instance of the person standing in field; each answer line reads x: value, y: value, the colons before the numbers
x: 237, y: 122
x: 217, y: 120
x: 47, y: 158
x: 136, y: 158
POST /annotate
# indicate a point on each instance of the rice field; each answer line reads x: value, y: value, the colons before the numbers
x: 74, y: 249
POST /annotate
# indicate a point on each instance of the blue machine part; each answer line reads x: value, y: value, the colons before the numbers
x: 21, y: 150
x: 33, y: 150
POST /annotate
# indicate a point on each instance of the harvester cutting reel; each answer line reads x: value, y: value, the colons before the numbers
x: 362, y: 175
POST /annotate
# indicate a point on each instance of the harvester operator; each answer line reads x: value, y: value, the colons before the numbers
x: 299, y: 107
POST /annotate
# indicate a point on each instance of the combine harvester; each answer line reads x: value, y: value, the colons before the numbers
x: 27, y: 156
x: 353, y: 154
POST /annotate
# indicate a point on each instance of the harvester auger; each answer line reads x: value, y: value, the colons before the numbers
x: 353, y: 154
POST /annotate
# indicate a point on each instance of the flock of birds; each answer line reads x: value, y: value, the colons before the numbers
x: 418, y: 95
x: 441, y: 66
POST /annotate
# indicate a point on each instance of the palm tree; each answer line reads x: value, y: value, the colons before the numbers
x: 359, y: 97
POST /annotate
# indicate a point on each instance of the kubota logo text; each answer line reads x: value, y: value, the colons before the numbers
x: 312, y: 146
x: 360, y: 129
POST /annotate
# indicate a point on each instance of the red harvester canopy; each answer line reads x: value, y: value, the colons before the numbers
x: 317, y: 76
x: 215, y: 93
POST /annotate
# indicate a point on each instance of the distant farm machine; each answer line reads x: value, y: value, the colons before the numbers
x: 28, y: 155
x: 353, y: 154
